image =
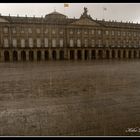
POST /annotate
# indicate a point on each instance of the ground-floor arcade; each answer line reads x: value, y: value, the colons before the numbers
x: 67, y: 54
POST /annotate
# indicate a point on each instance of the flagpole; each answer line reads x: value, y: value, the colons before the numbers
x: 104, y: 9
x: 103, y: 13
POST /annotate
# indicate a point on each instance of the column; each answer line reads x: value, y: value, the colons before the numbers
x: 110, y: 54
x: 2, y: 56
x: 35, y: 55
x: 65, y: 54
x: 126, y: 53
x: 27, y: 55
x: 50, y: 54
x: 58, y: 55
x: 89, y: 55
x: 137, y: 54
x: 132, y: 54
x: 104, y: 54
x: 83, y: 54
x: 75, y: 54
x: 116, y: 54
x: 68, y: 54
x: 19, y: 56
x: 43, y: 55
x: 96, y: 54
x: 121, y: 54
x: 10, y: 56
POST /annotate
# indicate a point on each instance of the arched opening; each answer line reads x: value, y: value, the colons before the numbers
x: 113, y: 54
x: 129, y: 54
x: 93, y: 54
x: 38, y: 55
x: 71, y: 54
x: 124, y: 54
x: 31, y: 55
x: 135, y: 54
x: 61, y: 55
x: 107, y: 54
x: 79, y: 55
x: 119, y: 54
x: 23, y: 56
x: 100, y: 54
x: 15, y: 56
x: 54, y: 55
x: 6, y: 56
x: 46, y: 55
x: 86, y: 55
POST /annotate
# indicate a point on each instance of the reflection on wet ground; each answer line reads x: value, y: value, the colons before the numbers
x: 99, y: 97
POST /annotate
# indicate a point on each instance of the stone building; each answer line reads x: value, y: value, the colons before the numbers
x: 57, y: 37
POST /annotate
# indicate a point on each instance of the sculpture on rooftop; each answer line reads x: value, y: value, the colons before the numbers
x: 85, y: 15
x: 85, y: 11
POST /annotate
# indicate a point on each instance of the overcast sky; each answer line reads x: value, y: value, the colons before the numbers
x: 115, y: 11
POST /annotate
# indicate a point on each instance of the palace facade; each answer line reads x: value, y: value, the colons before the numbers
x: 57, y: 37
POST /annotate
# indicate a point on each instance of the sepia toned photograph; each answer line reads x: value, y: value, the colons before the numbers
x: 69, y: 69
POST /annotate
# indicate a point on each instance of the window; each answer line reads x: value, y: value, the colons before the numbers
x: 107, y: 32
x: 86, y: 43
x: 14, y: 30
x: 78, y: 32
x: 124, y: 33
x: 22, y: 30
x: 129, y: 43
x: 124, y: 43
x: 119, y: 33
x: 71, y: 43
x: 53, y: 32
x: 86, y: 32
x: 5, y: 29
x: 113, y: 43
x: 53, y: 42
x: 112, y: 33
x: 22, y: 43
x: 38, y: 31
x: 71, y: 32
x: 46, y: 31
x: 129, y: 34
x: 134, y: 33
x: 92, y: 31
x: 30, y: 30
x: 78, y: 43
x: 38, y: 42
x: 99, y: 32
x: 99, y: 43
x: 14, y: 42
x: 61, y: 32
x: 93, y: 43
x: 46, y: 42
x: 119, y: 42
x: 6, y: 44
x: 107, y: 43
x: 30, y: 42
x: 61, y: 42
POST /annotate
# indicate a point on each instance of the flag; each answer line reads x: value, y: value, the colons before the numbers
x: 66, y: 5
x: 104, y: 8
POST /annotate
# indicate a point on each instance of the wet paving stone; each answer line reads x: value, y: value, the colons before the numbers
x: 96, y: 98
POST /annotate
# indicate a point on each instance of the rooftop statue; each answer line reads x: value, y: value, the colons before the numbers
x: 85, y: 11
x: 85, y: 15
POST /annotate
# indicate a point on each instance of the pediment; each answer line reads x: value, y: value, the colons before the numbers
x: 3, y: 20
x: 85, y: 21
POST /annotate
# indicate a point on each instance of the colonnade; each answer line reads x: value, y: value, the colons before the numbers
x: 67, y: 54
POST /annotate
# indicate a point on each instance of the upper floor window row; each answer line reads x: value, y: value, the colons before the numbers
x: 30, y: 30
